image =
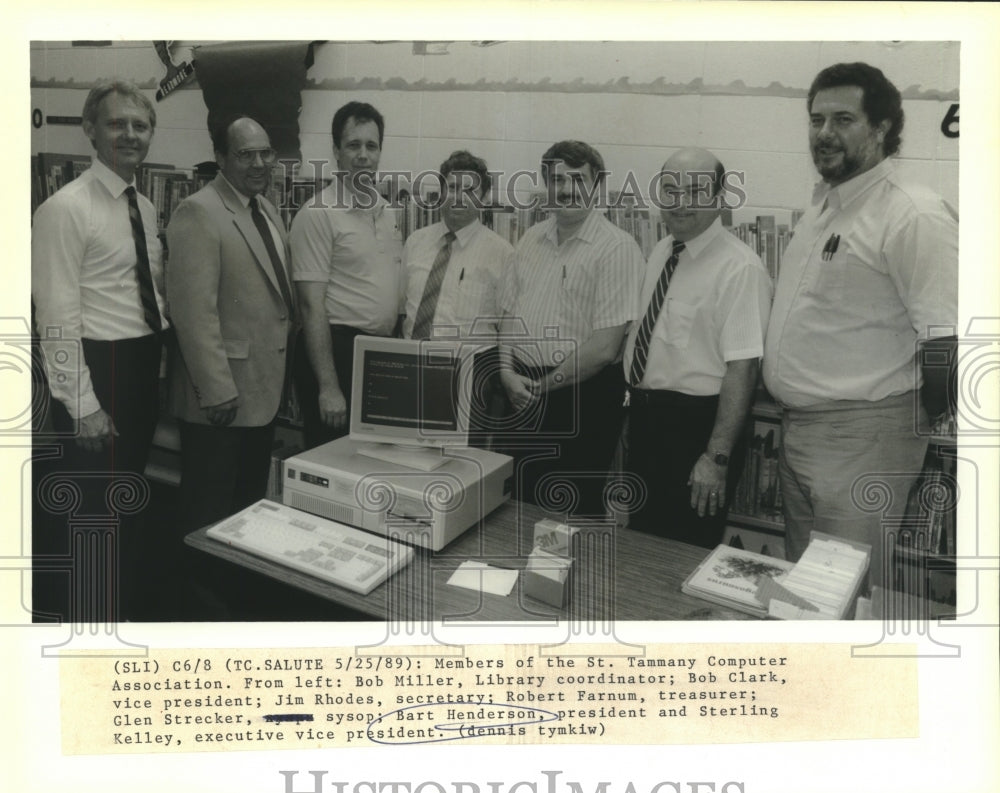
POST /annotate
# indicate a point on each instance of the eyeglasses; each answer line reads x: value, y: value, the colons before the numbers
x: 248, y: 156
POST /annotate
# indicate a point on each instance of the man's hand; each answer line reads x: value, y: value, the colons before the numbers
x: 521, y: 390
x: 95, y: 430
x: 223, y: 415
x: 333, y: 408
x: 708, y: 486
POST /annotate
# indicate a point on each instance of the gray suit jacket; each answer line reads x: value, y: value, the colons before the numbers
x: 233, y: 328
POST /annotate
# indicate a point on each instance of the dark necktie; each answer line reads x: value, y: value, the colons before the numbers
x: 147, y: 293
x: 432, y: 290
x: 641, y: 349
x: 279, y: 271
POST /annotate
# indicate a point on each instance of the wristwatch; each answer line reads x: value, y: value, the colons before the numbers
x: 718, y: 458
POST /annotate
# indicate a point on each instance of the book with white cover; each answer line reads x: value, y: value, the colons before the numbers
x: 730, y: 576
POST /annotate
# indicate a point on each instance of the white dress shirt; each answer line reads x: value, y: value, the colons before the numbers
x: 561, y: 294
x: 845, y: 326
x: 470, y: 290
x: 716, y: 310
x: 83, y: 276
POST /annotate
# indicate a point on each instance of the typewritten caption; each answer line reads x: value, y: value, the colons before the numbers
x: 225, y: 700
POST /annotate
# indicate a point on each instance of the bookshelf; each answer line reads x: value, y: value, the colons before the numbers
x: 755, y: 521
x: 923, y: 563
x: 51, y: 171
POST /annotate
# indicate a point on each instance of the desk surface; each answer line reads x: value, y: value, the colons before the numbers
x: 617, y: 575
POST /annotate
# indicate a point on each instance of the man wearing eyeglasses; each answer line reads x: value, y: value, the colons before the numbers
x: 691, y: 360
x: 229, y: 296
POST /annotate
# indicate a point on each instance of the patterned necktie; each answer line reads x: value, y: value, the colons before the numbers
x: 147, y: 294
x: 265, y: 232
x: 641, y: 349
x: 432, y: 290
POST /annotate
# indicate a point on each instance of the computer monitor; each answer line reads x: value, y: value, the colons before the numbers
x: 412, y: 398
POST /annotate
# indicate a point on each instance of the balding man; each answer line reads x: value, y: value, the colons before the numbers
x: 691, y: 361
x: 231, y: 304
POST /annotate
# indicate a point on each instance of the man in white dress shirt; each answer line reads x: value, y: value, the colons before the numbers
x: 865, y: 312
x: 691, y: 360
x: 453, y: 271
x: 97, y: 282
x: 573, y: 289
x: 466, y: 283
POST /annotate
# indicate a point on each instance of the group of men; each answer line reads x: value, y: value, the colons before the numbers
x: 587, y: 329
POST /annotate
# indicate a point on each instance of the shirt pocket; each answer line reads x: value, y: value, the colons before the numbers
x: 680, y: 320
x: 474, y: 299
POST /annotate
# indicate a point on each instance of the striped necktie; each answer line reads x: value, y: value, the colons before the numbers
x: 432, y: 290
x: 147, y: 293
x: 641, y: 349
x: 272, y: 252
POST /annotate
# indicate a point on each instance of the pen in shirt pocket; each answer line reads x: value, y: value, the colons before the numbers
x: 831, y: 247
x: 461, y: 275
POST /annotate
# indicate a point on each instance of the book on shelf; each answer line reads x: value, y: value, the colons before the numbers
x: 53, y: 171
x: 767, y: 238
x: 758, y: 490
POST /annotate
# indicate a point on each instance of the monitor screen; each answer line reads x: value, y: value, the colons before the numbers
x: 414, y: 392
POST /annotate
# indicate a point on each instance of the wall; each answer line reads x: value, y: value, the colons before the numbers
x: 508, y: 101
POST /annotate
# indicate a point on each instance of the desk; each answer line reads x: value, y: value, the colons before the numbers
x: 617, y: 575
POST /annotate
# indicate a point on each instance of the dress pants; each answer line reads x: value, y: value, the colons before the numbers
x: 314, y: 431
x: 563, y: 448
x: 848, y: 471
x: 125, y: 376
x: 223, y: 470
x: 667, y: 432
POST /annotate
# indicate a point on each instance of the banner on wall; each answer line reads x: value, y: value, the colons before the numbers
x: 261, y: 79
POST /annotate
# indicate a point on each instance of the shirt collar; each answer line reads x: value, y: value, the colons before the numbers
x: 587, y: 232
x: 243, y: 199
x: 465, y: 234
x: 844, y: 194
x: 112, y: 181
x: 348, y: 197
x: 696, y: 245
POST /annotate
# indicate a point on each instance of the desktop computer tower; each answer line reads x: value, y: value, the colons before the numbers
x: 340, y: 481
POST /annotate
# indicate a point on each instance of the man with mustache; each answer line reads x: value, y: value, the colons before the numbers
x: 573, y: 290
x: 865, y: 311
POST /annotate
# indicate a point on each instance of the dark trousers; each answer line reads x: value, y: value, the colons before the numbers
x: 562, y: 451
x: 223, y: 470
x: 314, y: 431
x: 667, y: 432
x: 125, y: 376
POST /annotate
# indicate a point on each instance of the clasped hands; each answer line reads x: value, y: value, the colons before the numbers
x: 521, y: 391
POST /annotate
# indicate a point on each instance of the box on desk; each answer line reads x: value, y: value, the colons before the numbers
x: 545, y: 577
x: 547, y: 572
x: 824, y: 583
x: 552, y: 536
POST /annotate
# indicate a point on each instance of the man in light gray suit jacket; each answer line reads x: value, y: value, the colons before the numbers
x: 228, y: 293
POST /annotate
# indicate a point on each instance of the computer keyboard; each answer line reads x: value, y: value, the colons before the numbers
x: 333, y: 552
